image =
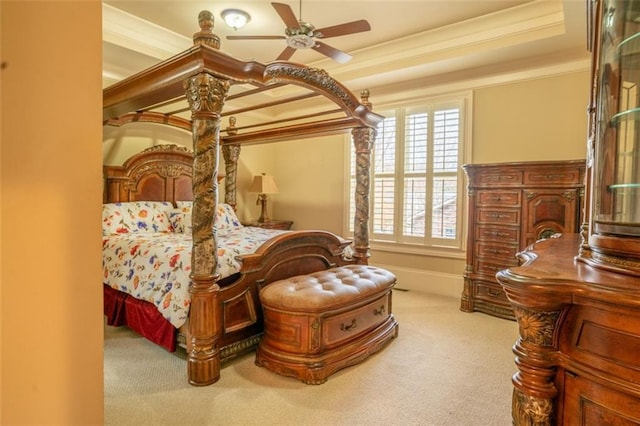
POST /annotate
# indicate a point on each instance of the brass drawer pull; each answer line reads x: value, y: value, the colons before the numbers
x: 351, y: 326
x: 499, y: 177
x: 498, y: 216
x: 498, y: 234
x: 499, y: 251
x: 379, y: 311
x: 493, y: 292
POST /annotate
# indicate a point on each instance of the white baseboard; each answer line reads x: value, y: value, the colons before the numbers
x: 426, y: 281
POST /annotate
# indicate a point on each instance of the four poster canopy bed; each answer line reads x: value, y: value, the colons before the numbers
x: 195, y: 90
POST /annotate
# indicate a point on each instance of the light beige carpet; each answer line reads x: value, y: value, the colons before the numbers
x: 446, y: 367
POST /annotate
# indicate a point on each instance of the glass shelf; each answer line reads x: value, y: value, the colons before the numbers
x: 624, y: 186
x: 629, y: 46
x: 626, y: 116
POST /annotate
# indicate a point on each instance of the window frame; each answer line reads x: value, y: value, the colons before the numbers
x: 411, y: 244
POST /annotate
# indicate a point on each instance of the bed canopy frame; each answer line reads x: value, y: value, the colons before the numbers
x: 207, y: 84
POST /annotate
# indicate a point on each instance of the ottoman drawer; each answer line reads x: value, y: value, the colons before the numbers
x: 340, y: 328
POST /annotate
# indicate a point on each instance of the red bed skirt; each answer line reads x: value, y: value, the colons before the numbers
x: 140, y: 316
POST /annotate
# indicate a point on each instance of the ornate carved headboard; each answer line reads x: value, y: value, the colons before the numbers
x: 159, y: 173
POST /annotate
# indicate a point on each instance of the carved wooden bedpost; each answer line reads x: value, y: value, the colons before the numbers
x: 363, y: 139
x: 206, y: 95
x: 231, y: 154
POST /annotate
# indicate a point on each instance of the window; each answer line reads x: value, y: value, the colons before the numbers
x: 416, y: 179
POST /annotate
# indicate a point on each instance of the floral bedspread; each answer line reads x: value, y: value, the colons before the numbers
x: 155, y: 266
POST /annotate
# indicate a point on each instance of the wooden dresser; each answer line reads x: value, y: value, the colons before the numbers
x: 578, y: 354
x: 511, y: 205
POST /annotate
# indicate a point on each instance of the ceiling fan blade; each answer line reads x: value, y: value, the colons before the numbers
x: 343, y: 29
x: 286, y: 14
x: 286, y: 54
x: 256, y: 37
x: 332, y: 52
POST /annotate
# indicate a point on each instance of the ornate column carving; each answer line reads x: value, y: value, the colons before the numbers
x: 534, y: 389
x: 206, y: 95
x: 467, y: 298
x: 363, y: 139
x: 231, y: 154
x: 206, y: 36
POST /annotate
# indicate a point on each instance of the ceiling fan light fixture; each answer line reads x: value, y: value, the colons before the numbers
x: 235, y: 18
x: 301, y: 37
x: 300, y: 41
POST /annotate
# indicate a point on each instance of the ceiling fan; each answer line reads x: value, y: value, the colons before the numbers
x: 302, y: 35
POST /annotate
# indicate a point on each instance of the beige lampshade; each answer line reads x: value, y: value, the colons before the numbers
x: 263, y: 184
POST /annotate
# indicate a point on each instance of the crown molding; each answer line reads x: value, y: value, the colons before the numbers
x: 521, y: 24
x: 123, y: 29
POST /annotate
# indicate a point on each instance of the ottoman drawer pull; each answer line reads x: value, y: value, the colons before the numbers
x: 349, y: 327
x: 379, y: 311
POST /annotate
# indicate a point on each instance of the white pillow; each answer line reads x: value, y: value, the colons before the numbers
x: 135, y: 216
x: 226, y: 219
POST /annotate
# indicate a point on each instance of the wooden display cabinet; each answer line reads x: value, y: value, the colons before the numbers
x: 576, y: 297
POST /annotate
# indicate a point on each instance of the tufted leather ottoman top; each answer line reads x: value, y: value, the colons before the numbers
x: 326, y: 290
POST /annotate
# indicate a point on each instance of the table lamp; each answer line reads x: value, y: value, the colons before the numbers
x: 263, y: 185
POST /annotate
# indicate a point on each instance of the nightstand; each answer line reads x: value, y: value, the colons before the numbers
x: 271, y: 224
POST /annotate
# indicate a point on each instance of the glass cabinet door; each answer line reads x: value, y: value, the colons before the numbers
x: 616, y: 195
x: 611, y: 238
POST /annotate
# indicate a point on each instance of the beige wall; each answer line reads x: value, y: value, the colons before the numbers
x: 311, y: 180
x: 50, y: 304
x: 541, y: 119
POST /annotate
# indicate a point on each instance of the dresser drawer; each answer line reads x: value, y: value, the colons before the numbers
x: 508, y: 198
x: 553, y: 176
x: 339, y: 328
x: 491, y: 266
x: 589, y: 403
x: 489, y: 215
x: 491, y: 292
x: 501, y: 234
x: 498, y: 177
x: 607, y: 340
x: 495, y: 250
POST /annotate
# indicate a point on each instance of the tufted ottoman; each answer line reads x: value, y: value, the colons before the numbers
x: 316, y: 324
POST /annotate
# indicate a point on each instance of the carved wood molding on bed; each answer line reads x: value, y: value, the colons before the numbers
x: 159, y: 173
